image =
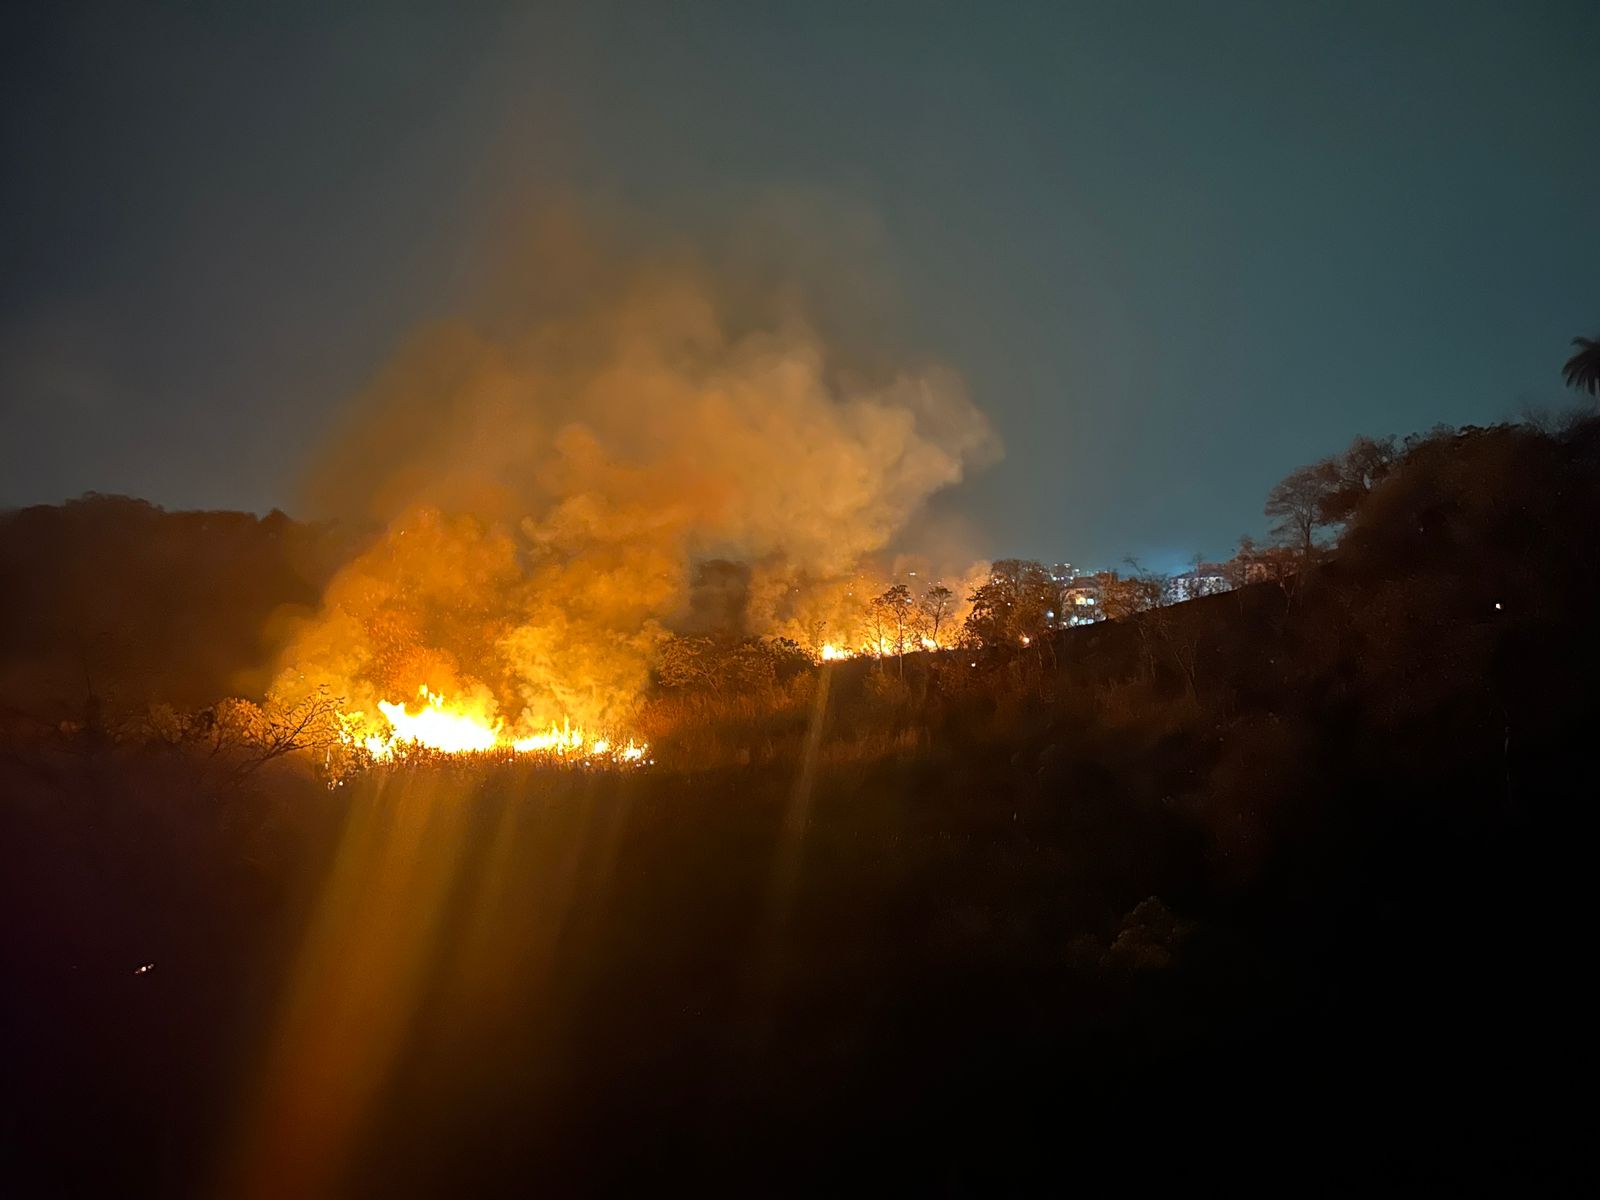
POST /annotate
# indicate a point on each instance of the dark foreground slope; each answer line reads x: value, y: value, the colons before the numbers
x: 1286, y: 885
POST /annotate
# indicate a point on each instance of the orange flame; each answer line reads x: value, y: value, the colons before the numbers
x: 452, y: 728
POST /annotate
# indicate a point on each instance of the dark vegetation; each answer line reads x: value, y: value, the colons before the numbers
x: 1280, y: 885
x: 114, y: 600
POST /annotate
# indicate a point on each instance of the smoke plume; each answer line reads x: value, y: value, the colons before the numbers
x: 543, y: 478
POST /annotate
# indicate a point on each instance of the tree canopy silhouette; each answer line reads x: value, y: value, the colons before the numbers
x: 1582, y: 370
x: 1295, y: 504
x: 1014, y: 604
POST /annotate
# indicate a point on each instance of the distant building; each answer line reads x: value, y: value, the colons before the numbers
x: 1061, y: 574
x: 1080, y: 601
x: 1207, y: 579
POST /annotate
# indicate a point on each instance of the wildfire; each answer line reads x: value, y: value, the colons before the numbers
x: 433, y: 726
x: 448, y: 728
x: 883, y: 648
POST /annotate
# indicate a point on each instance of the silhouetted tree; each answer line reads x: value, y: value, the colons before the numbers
x: 1012, y: 605
x: 242, y: 736
x: 1237, y: 569
x: 1295, y: 504
x: 935, y: 609
x: 1582, y: 370
x: 1255, y: 563
x: 1131, y: 594
x: 688, y: 663
x: 880, y: 628
x: 1353, y: 475
x: 891, y: 615
x: 740, y: 666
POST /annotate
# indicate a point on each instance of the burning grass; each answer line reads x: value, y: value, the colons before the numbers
x: 441, y: 727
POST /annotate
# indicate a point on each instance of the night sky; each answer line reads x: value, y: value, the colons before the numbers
x: 1176, y: 249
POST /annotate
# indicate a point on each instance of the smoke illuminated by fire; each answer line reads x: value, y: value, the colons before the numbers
x: 544, y: 480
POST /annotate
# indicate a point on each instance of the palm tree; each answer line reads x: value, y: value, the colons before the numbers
x: 1583, y: 368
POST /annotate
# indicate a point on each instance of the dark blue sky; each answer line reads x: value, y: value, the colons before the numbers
x: 1176, y: 248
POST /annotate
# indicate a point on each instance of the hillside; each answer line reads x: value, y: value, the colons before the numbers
x: 1282, y: 885
x: 115, y: 598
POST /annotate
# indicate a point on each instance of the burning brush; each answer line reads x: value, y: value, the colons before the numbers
x: 439, y: 726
